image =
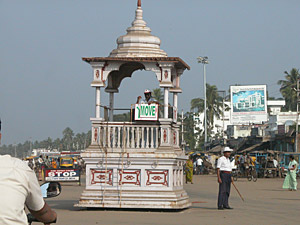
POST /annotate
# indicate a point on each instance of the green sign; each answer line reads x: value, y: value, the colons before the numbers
x: 146, y: 112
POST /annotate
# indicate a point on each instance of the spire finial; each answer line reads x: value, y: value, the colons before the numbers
x: 139, y: 4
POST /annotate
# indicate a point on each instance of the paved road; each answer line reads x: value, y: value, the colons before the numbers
x: 265, y: 203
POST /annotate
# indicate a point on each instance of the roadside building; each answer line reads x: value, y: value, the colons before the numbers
x: 276, y: 118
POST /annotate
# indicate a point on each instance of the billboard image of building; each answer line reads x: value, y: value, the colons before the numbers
x: 249, y: 104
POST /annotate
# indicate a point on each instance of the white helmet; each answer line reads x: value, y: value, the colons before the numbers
x: 227, y: 149
x: 147, y: 91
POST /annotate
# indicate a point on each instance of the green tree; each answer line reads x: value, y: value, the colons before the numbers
x: 56, y: 144
x: 79, y: 141
x: 88, y: 138
x: 189, y: 135
x: 68, y: 135
x: 122, y: 117
x: 158, y: 95
x: 197, y: 105
x: 49, y: 143
x: 214, y: 105
x: 288, y: 87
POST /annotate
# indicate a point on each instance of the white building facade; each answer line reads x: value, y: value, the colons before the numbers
x: 275, y: 118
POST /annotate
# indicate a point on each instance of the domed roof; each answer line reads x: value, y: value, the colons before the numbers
x: 138, y: 42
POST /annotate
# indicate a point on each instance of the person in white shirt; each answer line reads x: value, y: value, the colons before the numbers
x: 200, y: 164
x: 19, y: 187
x: 224, y: 169
x: 275, y: 162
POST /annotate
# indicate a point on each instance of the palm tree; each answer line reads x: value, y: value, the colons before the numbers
x: 287, y: 88
x: 157, y: 94
x: 213, y: 104
x: 198, y: 104
x: 68, y: 138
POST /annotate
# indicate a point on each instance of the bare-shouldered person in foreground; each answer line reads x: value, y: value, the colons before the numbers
x: 20, y: 188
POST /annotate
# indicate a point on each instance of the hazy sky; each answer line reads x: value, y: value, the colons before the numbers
x: 45, y: 86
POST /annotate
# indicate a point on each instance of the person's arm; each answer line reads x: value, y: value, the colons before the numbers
x: 219, y: 177
x: 138, y: 100
x: 293, y: 167
x: 35, y: 202
x: 153, y: 102
x: 45, y: 215
x: 218, y: 170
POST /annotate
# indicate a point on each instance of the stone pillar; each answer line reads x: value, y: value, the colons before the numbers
x: 166, y: 102
x: 175, y: 100
x: 111, y: 106
x: 98, y: 102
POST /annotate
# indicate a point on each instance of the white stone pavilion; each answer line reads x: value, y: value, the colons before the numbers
x: 135, y: 164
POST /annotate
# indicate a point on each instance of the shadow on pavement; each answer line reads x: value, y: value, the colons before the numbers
x: 135, y: 210
x: 64, y: 204
x: 288, y: 199
x: 281, y: 190
x: 69, y: 205
x: 201, y: 207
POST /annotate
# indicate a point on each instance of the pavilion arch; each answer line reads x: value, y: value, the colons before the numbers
x: 116, y: 77
x: 110, y: 71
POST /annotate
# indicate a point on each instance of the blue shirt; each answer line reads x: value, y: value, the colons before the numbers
x: 242, y: 159
x: 144, y: 101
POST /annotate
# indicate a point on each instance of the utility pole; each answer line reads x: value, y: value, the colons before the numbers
x: 297, y: 119
x: 15, y: 150
x: 204, y: 61
x: 182, y: 132
x: 30, y: 140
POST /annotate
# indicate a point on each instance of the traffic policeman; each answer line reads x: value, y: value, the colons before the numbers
x: 224, y: 169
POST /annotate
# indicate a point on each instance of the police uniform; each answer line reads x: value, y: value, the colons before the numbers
x: 225, y: 168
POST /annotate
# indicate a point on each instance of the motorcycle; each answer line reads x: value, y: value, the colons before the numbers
x: 49, y: 190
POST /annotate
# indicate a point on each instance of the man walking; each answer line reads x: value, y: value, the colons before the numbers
x: 242, y: 162
x: 224, y: 169
x: 200, y: 165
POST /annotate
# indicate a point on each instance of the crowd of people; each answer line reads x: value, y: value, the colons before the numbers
x: 45, y: 162
x: 224, y: 166
x: 243, y: 163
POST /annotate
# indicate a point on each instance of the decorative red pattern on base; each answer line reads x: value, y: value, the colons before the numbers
x: 174, y: 137
x: 157, y: 178
x: 165, y: 135
x: 153, y: 179
x: 129, y: 177
x: 132, y: 177
x: 100, y: 175
x: 95, y: 134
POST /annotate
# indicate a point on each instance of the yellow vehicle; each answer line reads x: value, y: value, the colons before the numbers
x: 66, y: 162
x: 253, y: 160
x: 30, y: 157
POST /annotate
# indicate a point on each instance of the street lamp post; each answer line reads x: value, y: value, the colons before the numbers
x: 204, y: 61
x: 183, y: 143
x: 297, y: 118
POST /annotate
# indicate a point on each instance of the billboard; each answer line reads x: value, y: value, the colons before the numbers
x: 146, y: 112
x: 248, y: 104
x: 62, y: 175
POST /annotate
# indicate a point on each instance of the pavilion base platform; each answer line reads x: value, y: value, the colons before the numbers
x: 136, y: 180
x: 135, y: 200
